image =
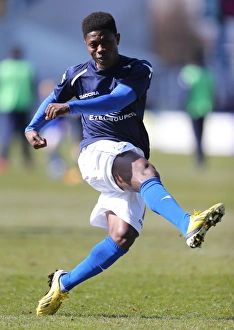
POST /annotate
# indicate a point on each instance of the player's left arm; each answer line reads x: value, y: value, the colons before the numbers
x: 118, y: 99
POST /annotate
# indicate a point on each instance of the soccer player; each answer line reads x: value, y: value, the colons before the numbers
x: 111, y: 92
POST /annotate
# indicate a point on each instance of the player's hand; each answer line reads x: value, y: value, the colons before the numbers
x: 35, y: 139
x: 55, y: 110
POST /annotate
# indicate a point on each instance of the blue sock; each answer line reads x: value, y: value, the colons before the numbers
x: 102, y: 256
x: 158, y: 199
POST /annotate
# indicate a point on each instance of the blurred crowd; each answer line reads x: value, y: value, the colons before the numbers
x: 194, y: 45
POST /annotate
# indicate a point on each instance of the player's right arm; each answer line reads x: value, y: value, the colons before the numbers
x: 39, y: 121
x: 35, y: 139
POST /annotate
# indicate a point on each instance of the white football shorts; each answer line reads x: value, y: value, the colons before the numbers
x: 95, y: 163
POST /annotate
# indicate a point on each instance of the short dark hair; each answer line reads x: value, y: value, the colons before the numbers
x: 98, y: 21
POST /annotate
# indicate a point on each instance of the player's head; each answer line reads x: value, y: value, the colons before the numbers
x: 101, y: 38
x: 98, y: 21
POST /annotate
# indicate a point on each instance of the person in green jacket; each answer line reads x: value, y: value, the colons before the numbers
x: 199, y: 82
x: 17, y: 100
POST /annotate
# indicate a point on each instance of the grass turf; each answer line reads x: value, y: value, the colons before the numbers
x: 159, y: 284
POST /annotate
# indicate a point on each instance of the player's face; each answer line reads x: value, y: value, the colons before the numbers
x: 103, y: 47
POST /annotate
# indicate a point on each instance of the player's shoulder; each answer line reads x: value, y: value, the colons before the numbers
x: 134, y: 60
x: 76, y: 69
x: 136, y: 63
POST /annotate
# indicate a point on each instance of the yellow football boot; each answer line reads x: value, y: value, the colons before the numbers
x: 200, y: 223
x: 50, y: 303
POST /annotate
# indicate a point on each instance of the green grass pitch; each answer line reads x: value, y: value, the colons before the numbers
x: 159, y: 284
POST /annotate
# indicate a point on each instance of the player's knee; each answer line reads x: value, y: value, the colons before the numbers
x: 124, y: 237
x: 145, y: 169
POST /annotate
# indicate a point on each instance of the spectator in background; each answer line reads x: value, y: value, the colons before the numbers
x: 199, y: 82
x: 17, y: 99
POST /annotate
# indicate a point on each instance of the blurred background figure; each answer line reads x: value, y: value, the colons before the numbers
x: 17, y: 99
x: 198, y: 81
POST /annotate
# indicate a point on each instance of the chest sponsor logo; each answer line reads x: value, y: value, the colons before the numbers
x: 90, y: 94
x: 113, y: 117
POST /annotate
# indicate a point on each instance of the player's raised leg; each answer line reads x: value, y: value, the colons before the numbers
x: 193, y: 227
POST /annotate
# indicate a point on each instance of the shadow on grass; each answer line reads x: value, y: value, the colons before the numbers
x: 153, y: 317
